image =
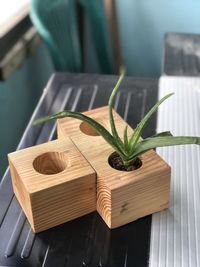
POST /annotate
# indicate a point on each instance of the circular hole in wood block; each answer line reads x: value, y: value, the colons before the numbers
x: 87, y: 129
x: 116, y: 163
x: 50, y: 163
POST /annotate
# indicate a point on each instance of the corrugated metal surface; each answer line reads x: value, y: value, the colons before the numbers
x: 86, y: 241
x: 175, y: 236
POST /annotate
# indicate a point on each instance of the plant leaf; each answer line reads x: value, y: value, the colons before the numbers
x: 98, y: 127
x: 110, y: 104
x: 167, y: 133
x: 154, y: 142
x: 137, y: 133
x: 126, y: 146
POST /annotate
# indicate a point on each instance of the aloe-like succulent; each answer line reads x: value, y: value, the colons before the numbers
x: 128, y: 148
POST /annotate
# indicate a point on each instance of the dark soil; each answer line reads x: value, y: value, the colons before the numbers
x: 116, y: 162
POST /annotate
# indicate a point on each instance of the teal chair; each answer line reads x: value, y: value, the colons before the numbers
x: 56, y: 21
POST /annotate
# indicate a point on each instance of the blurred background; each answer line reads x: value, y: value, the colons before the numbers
x: 40, y: 37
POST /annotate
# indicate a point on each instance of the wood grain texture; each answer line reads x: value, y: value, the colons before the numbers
x: 53, y: 183
x: 122, y: 197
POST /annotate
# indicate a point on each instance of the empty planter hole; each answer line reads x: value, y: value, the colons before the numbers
x: 87, y: 129
x: 116, y: 163
x: 50, y: 163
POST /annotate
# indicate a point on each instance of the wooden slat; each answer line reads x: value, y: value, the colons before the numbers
x: 110, y: 9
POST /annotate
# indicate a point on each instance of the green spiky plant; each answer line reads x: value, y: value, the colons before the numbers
x: 127, y: 148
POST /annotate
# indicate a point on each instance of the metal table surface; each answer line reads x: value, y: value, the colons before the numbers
x: 86, y: 241
x: 181, y: 55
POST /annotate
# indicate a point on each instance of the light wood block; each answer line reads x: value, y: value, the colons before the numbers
x: 122, y: 197
x: 53, y: 183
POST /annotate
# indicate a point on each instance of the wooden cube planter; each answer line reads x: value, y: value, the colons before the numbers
x: 122, y: 196
x: 53, y: 183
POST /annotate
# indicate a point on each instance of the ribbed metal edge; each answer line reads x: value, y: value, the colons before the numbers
x: 175, y: 235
